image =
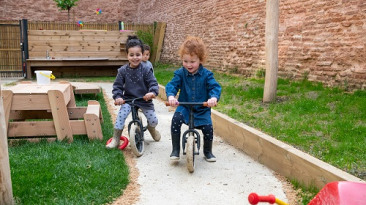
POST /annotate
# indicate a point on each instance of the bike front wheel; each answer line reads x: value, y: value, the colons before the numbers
x: 136, y: 139
x: 190, y: 152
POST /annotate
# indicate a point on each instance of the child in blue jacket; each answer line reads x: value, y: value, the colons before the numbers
x: 196, y: 84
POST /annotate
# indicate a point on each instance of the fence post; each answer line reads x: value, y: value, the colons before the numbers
x: 158, y: 41
x: 6, y: 191
x: 24, y: 41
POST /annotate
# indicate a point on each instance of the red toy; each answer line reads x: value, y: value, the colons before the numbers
x: 124, y: 144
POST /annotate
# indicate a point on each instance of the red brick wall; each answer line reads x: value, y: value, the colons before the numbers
x: 324, y: 40
x: 46, y: 10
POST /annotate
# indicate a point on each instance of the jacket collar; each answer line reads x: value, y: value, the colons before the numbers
x: 199, y: 71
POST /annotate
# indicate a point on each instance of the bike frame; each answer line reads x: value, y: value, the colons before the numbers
x: 135, y: 117
x: 191, y: 128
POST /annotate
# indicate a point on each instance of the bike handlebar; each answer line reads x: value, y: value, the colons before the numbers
x: 189, y: 103
x: 130, y: 100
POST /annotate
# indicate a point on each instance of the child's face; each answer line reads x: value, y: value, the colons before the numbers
x: 191, y: 62
x: 134, y: 56
x: 146, y: 56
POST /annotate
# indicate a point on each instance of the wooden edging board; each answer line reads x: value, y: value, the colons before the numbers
x: 276, y: 155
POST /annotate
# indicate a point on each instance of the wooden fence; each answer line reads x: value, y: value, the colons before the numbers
x: 10, y: 51
x: 11, y: 64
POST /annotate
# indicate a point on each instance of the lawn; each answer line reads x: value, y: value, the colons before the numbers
x: 82, y: 172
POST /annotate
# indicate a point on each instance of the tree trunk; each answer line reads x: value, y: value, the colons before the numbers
x: 272, y: 18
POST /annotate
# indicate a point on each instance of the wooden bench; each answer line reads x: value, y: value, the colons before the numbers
x: 76, y: 53
x: 85, y: 88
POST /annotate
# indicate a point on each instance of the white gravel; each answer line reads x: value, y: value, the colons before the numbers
x: 229, y: 180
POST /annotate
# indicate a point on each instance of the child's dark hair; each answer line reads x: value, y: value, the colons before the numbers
x: 146, y: 47
x: 133, y: 41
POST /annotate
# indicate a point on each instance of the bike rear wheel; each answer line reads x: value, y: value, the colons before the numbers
x: 136, y: 139
x: 190, y: 149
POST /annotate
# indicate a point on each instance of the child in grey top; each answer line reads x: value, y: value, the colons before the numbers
x: 134, y: 80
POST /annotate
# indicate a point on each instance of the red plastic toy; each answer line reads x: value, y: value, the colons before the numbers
x: 124, y: 144
x: 341, y: 193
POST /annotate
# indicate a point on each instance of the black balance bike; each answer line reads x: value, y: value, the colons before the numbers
x: 136, y: 128
x: 191, y: 139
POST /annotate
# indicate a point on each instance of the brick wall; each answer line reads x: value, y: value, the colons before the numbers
x: 323, y: 40
x: 46, y: 10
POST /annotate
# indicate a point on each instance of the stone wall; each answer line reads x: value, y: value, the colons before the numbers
x: 322, y: 40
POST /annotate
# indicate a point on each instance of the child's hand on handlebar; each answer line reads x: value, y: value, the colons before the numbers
x: 119, y: 101
x: 212, y: 102
x: 172, y: 101
x: 149, y: 96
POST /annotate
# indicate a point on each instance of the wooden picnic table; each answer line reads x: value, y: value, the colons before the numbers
x: 25, y: 102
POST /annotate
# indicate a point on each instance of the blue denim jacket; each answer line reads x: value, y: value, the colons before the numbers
x: 198, y: 87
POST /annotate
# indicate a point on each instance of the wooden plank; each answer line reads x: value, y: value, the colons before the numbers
x: 277, y: 155
x: 92, y: 120
x: 158, y: 41
x: 94, y: 102
x: 60, y: 115
x: 74, y: 48
x: 85, y: 88
x: 31, y: 128
x: 76, y: 112
x: 30, y: 102
x: 30, y: 114
x: 70, y: 32
x: 6, y: 191
x: 78, y: 127
x: 42, y: 128
x: 7, y: 97
x: 66, y: 54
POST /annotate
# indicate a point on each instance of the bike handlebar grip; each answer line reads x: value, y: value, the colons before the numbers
x: 167, y: 104
x: 117, y: 104
x: 253, y: 198
x: 205, y: 104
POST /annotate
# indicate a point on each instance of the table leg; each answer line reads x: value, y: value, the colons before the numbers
x: 60, y: 115
x: 7, y: 96
x: 29, y: 71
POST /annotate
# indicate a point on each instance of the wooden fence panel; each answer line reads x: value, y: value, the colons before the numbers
x: 10, y: 52
x: 77, y: 44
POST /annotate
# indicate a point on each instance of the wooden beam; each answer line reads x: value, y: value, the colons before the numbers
x: 158, y: 41
x: 272, y: 18
x: 6, y: 191
x: 60, y: 115
x: 92, y: 120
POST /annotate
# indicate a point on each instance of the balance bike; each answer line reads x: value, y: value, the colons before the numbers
x: 191, y: 139
x: 136, y: 128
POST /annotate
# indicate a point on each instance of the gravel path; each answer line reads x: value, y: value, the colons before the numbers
x: 228, y: 181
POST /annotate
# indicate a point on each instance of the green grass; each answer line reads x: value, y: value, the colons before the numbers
x: 81, y: 172
x: 327, y: 123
